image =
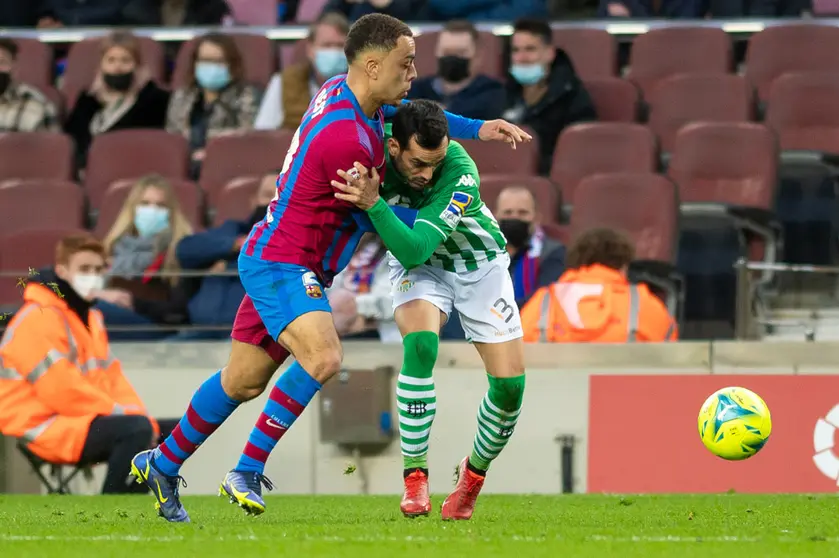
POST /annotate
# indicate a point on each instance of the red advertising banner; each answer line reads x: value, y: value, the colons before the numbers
x: 643, y: 436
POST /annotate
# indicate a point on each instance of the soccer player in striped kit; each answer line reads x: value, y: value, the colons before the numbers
x: 288, y: 260
x: 454, y: 257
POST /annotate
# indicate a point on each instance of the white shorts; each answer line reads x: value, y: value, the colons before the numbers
x: 485, y: 298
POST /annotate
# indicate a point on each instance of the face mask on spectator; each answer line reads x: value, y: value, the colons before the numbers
x: 212, y: 76
x: 5, y: 81
x: 453, y: 68
x: 119, y: 82
x: 151, y: 220
x: 86, y: 285
x: 330, y: 62
x: 516, y: 231
x: 527, y: 74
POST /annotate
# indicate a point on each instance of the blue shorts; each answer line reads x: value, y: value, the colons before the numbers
x: 280, y: 292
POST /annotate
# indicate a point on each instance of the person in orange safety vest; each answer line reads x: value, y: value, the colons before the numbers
x: 593, y: 302
x: 62, y: 392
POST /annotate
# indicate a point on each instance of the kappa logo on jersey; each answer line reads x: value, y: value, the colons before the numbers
x: 467, y: 180
x: 312, y: 286
x: 457, y: 207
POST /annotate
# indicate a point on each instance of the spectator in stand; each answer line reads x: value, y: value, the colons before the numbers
x: 62, y: 392
x: 487, y: 10
x: 406, y: 10
x: 360, y: 295
x: 22, y: 107
x: 142, y: 242
x: 289, y: 93
x: 122, y: 96
x: 217, y: 100
x: 758, y: 8
x: 544, y: 91
x: 673, y: 9
x: 177, y: 13
x: 95, y: 13
x: 456, y: 86
x: 536, y: 260
x: 594, y: 302
x: 217, y: 251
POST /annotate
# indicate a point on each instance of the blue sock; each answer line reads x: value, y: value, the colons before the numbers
x: 210, y: 406
x: 292, y: 392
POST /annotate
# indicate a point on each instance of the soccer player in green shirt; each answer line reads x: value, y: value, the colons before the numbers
x: 453, y: 257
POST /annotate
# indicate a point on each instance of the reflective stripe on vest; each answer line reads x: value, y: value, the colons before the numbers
x: 30, y: 435
x: 631, y: 322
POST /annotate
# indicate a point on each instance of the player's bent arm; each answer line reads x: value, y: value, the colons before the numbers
x: 460, y: 127
x: 412, y: 247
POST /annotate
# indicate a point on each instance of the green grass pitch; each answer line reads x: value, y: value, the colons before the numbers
x: 372, y: 527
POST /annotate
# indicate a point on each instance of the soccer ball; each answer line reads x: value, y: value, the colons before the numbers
x: 734, y: 423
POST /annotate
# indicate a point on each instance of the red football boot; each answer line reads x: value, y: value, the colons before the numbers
x: 415, y: 501
x: 461, y: 503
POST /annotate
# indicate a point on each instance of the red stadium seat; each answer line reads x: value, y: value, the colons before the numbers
x: 36, y: 155
x: 544, y: 192
x: 803, y: 110
x: 594, y: 52
x: 661, y: 53
x: 126, y: 154
x: 494, y: 157
x: 34, y: 63
x: 84, y: 58
x: 40, y: 204
x: 235, y: 201
x: 258, y: 54
x: 615, y: 100
x: 189, y: 198
x: 490, y: 54
x: 232, y: 156
x: 587, y: 149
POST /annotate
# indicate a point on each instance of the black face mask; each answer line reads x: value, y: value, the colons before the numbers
x: 453, y: 68
x: 258, y: 214
x: 516, y: 231
x: 119, y: 82
x: 5, y: 81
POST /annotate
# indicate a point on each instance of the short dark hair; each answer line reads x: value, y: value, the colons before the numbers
x: 377, y: 31
x: 603, y: 246
x: 462, y: 26
x: 538, y: 27
x: 9, y: 46
x: 423, y: 120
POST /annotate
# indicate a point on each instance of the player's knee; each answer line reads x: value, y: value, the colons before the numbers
x: 242, y: 384
x: 325, y: 364
x: 423, y: 346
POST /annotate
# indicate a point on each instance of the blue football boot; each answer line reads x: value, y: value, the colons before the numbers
x: 245, y: 489
x: 164, y: 488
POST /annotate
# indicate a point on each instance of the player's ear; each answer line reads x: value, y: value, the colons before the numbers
x: 371, y: 66
x: 392, y: 147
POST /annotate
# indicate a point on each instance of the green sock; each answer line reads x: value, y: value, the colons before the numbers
x: 415, y: 396
x: 497, y: 417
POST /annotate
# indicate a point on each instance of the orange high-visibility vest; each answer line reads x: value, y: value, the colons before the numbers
x: 596, y: 304
x: 56, y: 376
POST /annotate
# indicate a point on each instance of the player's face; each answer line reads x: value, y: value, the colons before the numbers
x: 396, y: 72
x: 415, y: 164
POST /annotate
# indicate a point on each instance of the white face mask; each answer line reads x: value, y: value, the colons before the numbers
x: 85, y: 285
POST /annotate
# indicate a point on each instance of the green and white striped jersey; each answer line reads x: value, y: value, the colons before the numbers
x: 452, y: 206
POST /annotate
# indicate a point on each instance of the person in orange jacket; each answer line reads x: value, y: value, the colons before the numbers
x: 593, y: 302
x: 62, y: 391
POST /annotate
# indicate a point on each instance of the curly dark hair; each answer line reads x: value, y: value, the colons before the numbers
x: 604, y: 246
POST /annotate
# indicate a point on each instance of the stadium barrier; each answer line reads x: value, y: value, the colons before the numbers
x: 628, y: 411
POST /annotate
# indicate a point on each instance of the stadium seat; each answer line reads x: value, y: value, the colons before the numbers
x: 40, y: 204
x: 661, y: 53
x: 686, y: 98
x: 594, y: 52
x: 251, y: 154
x: 544, y: 192
x: 292, y: 53
x: 615, y: 99
x: 790, y: 48
x: 27, y: 155
x: 309, y: 11
x: 495, y: 157
x: 586, y: 149
x: 34, y: 63
x: 826, y: 7
x: 22, y: 251
x: 259, y: 56
x: 83, y: 64
x: 558, y: 232
x: 235, y: 201
x: 644, y: 206
x: 127, y: 154
x: 490, y: 51
x: 803, y: 111
x: 54, y: 477
x: 188, y: 193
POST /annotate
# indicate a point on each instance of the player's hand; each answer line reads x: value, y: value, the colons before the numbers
x: 361, y: 188
x: 501, y: 130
